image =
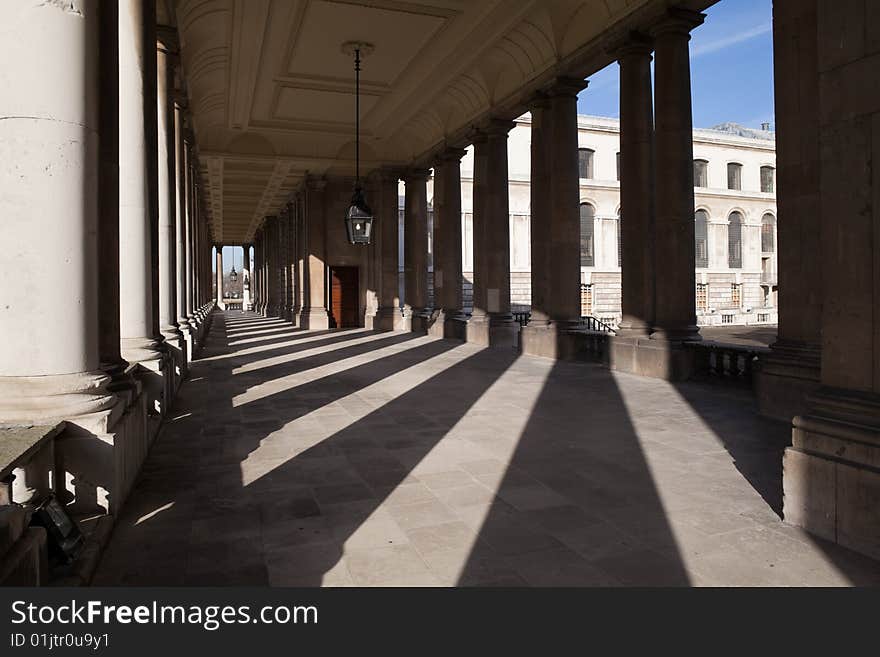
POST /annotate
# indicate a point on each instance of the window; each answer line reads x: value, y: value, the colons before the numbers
x: 701, y: 173
x: 702, y: 296
x: 619, y: 243
x: 736, y: 295
x: 768, y: 233
x: 734, y: 240
x: 768, y: 180
x: 618, y: 166
x: 585, y: 163
x: 467, y: 242
x: 727, y: 319
x: 586, y: 300
x: 520, y: 242
x: 701, y: 238
x: 734, y: 176
x: 588, y: 213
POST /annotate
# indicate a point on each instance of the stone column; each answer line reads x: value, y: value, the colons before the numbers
x: 180, y: 215
x: 555, y: 224
x: 636, y: 188
x: 260, y: 268
x: 246, y: 277
x: 447, y: 320
x: 792, y: 370
x: 831, y: 473
x: 273, y: 272
x: 284, y: 264
x: 49, y: 169
x: 675, y: 300
x: 188, y: 241
x: 218, y: 274
x: 138, y: 219
x: 388, y: 314
x: 314, y: 314
x: 415, y: 249
x: 167, y: 168
x: 108, y: 203
x: 298, y: 262
x: 256, y: 299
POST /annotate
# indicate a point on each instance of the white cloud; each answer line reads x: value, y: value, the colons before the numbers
x: 720, y: 44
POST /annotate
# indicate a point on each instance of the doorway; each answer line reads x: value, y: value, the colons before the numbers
x: 344, y: 304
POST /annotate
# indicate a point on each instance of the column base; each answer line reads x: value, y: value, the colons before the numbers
x: 787, y: 376
x: 53, y: 398
x: 661, y: 359
x: 493, y: 330
x: 831, y: 472
x: 419, y: 319
x: 389, y: 319
x: 559, y: 340
x: 315, y: 319
x: 449, y: 324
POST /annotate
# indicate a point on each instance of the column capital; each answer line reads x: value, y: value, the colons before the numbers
x: 386, y: 174
x: 416, y: 175
x: 565, y: 86
x: 497, y: 127
x: 478, y: 136
x: 451, y: 155
x: 677, y: 21
x: 634, y: 43
x: 315, y: 184
x: 538, y: 101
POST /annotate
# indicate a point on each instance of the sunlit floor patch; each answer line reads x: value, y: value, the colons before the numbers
x: 381, y: 459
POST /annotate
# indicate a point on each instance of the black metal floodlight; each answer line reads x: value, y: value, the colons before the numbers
x: 359, y: 218
x: 64, y: 537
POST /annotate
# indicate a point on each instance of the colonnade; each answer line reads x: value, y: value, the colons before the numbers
x: 107, y: 279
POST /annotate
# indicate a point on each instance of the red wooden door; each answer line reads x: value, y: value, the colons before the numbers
x: 344, y: 296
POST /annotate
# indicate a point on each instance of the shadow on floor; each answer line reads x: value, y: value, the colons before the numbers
x: 354, y: 457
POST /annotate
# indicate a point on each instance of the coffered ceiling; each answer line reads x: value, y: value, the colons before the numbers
x: 272, y: 94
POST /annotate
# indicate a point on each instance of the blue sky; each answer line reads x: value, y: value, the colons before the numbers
x: 731, y: 69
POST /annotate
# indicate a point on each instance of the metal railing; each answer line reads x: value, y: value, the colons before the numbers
x: 595, y: 324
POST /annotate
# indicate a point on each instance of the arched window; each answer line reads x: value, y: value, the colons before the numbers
x: 619, y: 243
x: 734, y: 240
x: 585, y: 163
x: 701, y: 237
x: 768, y: 180
x: 588, y: 214
x: 768, y: 233
x: 734, y: 176
x: 701, y: 173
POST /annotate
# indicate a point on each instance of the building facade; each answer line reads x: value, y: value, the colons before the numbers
x: 734, y: 222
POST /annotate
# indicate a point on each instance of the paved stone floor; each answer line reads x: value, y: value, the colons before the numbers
x: 358, y: 458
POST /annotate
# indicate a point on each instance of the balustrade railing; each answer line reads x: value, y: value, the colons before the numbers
x: 726, y: 362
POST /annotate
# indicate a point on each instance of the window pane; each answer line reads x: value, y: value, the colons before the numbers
x: 734, y: 176
x: 701, y: 235
x: 734, y: 241
x: 768, y: 239
x: 587, y: 216
x: 585, y: 163
x: 767, y: 179
x: 619, y: 243
x: 701, y: 173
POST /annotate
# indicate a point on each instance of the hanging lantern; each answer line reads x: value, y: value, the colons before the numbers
x: 359, y: 218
